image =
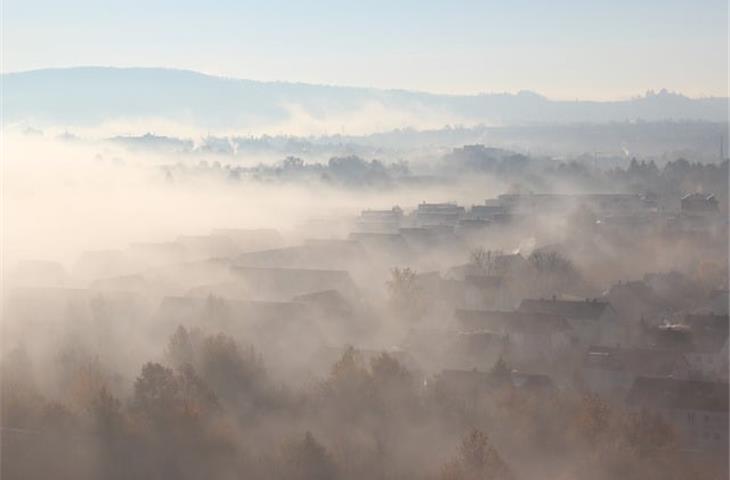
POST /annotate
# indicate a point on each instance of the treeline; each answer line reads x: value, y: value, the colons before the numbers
x: 538, y: 174
x: 350, y: 171
x: 208, y: 409
x: 524, y: 173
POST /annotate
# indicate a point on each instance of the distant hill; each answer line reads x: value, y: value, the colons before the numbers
x: 86, y: 96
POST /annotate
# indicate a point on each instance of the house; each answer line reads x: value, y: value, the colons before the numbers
x: 699, y: 204
x: 427, y: 238
x: 201, y: 247
x: 380, y: 221
x: 531, y: 335
x: 247, y: 240
x: 468, y: 388
x: 431, y: 214
x: 611, y: 371
x: 322, y: 254
x: 277, y: 284
x: 702, y: 340
x: 593, y: 322
x: 486, y: 211
x: 389, y: 246
x: 634, y: 301
x: 698, y: 409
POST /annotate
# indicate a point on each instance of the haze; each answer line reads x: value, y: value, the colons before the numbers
x: 564, y: 50
x: 364, y: 241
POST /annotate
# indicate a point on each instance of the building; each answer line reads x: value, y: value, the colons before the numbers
x: 593, y: 322
x: 600, y: 203
x: 698, y: 203
x: 611, y: 371
x: 698, y: 409
x: 277, y: 284
x: 380, y: 221
x: 433, y: 214
x: 532, y: 336
x: 701, y: 339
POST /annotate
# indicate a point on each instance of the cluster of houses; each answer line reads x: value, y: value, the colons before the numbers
x: 636, y: 342
x: 698, y: 213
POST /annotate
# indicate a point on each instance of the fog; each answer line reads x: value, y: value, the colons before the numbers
x: 175, y: 307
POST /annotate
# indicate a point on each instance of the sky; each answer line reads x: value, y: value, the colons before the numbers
x: 563, y: 49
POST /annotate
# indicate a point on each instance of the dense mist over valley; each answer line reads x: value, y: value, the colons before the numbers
x: 409, y: 304
x: 364, y: 240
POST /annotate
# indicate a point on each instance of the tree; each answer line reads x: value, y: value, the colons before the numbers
x: 404, y: 294
x: 551, y: 271
x: 476, y: 459
x: 196, y: 396
x: 106, y: 412
x: 306, y: 459
x: 180, y: 348
x: 394, y: 386
x: 500, y: 372
x: 156, y: 392
x: 349, y: 388
x: 234, y: 374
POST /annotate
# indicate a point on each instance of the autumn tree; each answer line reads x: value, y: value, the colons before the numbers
x: 477, y: 459
x: 236, y: 375
x: 180, y: 349
x: 405, y: 296
x: 306, y: 459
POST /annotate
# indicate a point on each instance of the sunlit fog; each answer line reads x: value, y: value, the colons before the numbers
x: 217, y: 267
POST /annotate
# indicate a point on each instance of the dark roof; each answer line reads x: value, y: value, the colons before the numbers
x: 476, y: 320
x: 477, y: 342
x: 458, y: 381
x: 673, y: 394
x: 485, y: 281
x: 329, y: 300
x: 570, y: 309
x: 698, y: 196
x: 641, y: 361
x: 708, y: 323
x: 637, y: 288
x: 313, y: 254
x: 295, y: 275
x: 532, y: 381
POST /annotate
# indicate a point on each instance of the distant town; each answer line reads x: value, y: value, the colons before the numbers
x: 618, y: 299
